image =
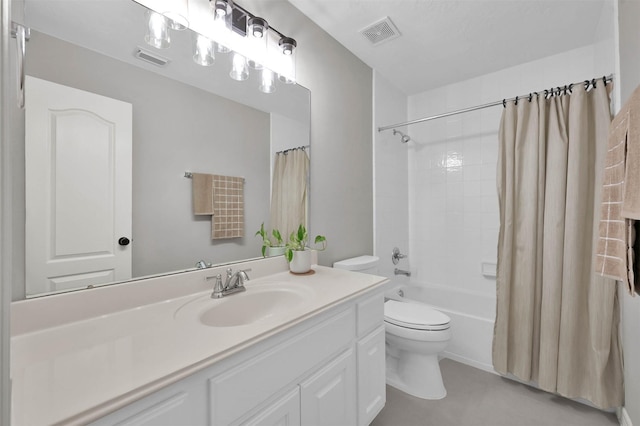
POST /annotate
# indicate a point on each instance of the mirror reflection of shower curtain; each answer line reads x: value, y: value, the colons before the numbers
x: 289, y: 191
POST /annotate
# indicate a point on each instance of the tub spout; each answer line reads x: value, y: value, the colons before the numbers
x: 401, y: 272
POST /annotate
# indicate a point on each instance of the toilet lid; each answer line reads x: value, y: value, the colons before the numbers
x: 415, y: 315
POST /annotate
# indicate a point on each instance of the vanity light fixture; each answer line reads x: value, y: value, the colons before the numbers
x: 222, y: 21
x: 257, y: 37
x: 177, y: 11
x: 224, y: 26
x: 157, y: 30
x: 169, y: 14
x: 239, y: 69
x: 288, y: 59
x: 267, y: 81
x: 203, y: 52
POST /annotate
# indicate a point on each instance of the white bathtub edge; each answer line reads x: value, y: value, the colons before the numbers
x: 470, y: 362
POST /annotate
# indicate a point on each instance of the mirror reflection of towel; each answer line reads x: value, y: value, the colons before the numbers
x: 228, y: 207
x: 202, y: 189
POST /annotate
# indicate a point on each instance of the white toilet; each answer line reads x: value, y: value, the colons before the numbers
x: 415, y: 335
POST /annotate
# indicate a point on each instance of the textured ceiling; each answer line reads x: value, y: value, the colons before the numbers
x: 445, y: 41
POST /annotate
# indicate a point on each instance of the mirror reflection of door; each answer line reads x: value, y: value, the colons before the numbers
x: 78, y: 188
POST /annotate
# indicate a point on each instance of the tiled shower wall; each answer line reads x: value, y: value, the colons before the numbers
x: 453, y: 203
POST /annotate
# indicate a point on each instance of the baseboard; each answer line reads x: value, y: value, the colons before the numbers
x: 470, y: 362
x: 623, y: 417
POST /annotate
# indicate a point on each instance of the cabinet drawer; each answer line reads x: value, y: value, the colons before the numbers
x: 370, y: 313
x: 244, y: 387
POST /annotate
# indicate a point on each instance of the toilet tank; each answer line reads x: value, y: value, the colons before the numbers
x: 365, y: 264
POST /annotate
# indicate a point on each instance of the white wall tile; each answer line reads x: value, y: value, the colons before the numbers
x: 466, y: 146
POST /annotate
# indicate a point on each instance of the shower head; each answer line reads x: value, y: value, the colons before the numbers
x: 404, y: 139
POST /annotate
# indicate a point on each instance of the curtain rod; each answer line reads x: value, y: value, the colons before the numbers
x: 303, y: 147
x: 547, y: 92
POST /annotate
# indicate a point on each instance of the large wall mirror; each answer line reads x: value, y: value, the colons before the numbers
x: 185, y: 118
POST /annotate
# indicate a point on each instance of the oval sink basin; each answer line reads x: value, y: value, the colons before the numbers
x: 257, y: 303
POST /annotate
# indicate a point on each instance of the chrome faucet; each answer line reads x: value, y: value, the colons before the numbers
x: 402, y: 272
x: 201, y: 264
x: 233, y: 284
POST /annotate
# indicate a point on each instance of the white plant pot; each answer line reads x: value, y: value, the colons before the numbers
x: 301, y: 262
x: 274, y: 251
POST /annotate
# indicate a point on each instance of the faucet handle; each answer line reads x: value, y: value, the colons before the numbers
x: 217, y: 287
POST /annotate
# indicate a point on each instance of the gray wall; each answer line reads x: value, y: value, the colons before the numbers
x: 391, y: 178
x: 176, y: 128
x: 629, y: 79
x: 341, y: 132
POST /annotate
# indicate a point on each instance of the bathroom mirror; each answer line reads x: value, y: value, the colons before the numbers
x: 185, y: 118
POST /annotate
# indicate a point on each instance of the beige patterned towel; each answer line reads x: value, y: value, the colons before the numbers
x: 621, y: 196
x: 202, y: 189
x: 228, y: 207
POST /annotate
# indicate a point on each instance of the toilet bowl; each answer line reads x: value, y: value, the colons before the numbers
x: 415, y: 335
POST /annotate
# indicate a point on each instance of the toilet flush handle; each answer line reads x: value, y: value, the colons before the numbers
x: 396, y: 255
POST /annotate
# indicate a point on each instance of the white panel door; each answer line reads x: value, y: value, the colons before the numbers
x: 328, y: 398
x: 78, y: 188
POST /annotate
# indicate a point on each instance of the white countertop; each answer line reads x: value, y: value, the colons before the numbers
x: 81, y: 370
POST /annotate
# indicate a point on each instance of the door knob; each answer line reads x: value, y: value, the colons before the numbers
x: 124, y: 241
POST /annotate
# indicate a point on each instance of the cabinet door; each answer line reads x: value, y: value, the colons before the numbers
x: 371, y: 376
x: 329, y: 396
x: 283, y: 412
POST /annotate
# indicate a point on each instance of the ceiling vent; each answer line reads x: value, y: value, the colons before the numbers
x: 152, y: 58
x: 380, y: 31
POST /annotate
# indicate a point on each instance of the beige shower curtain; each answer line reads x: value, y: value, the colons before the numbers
x: 289, y: 191
x: 556, y: 320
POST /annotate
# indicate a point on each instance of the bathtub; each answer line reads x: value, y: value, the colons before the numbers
x: 472, y: 316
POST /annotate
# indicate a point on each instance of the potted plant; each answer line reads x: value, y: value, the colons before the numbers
x: 298, y: 254
x: 269, y: 248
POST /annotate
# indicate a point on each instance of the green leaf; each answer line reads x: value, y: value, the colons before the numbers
x: 277, y: 236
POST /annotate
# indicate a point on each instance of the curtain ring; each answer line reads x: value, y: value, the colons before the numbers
x: 571, y: 88
x: 593, y: 82
x: 530, y: 97
x: 504, y: 103
x: 604, y: 80
x: 586, y: 84
x: 516, y: 100
x: 565, y: 90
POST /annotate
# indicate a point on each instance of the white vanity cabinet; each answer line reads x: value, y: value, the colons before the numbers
x: 327, y: 370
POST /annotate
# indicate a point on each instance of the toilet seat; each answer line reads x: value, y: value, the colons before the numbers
x: 415, y: 316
